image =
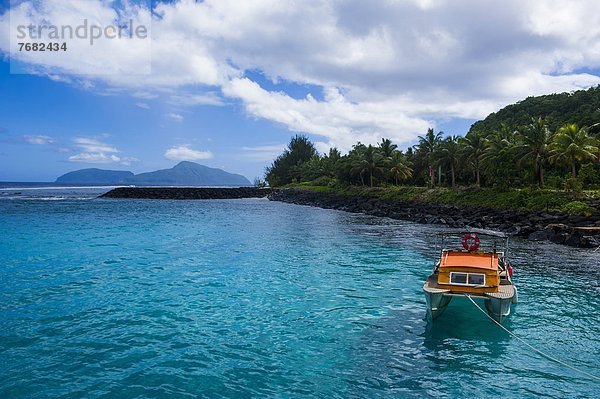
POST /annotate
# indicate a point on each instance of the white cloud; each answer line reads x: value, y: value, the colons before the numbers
x: 98, y: 157
x: 96, y: 151
x: 88, y: 157
x: 38, y: 139
x: 142, y: 105
x: 386, y: 68
x: 209, y: 98
x: 128, y: 160
x: 128, y: 56
x: 144, y: 95
x: 93, y: 145
x: 185, y: 153
x: 335, y: 118
x: 175, y: 117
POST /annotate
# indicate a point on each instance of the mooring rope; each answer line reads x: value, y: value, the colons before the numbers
x: 592, y: 376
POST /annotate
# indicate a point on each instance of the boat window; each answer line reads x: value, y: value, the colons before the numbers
x: 472, y: 279
x: 458, y: 278
x: 476, y: 279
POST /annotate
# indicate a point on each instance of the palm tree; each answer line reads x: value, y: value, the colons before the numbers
x: 387, y: 148
x: 472, y: 148
x: 373, y: 162
x: 533, y: 147
x: 355, y: 162
x: 400, y: 167
x: 427, y: 146
x: 366, y: 161
x: 447, y: 154
x: 497, y: 145
x: 497, y: 157
x: 571, y: 145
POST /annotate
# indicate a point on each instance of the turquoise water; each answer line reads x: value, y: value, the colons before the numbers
x: 251, y: 298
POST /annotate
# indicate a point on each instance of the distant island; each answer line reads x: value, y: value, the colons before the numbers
x: 95, y: 176
x: 183, y: 174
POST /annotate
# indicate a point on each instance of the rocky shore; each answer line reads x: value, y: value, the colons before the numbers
x: 560, y: 228
x: 186, y: 193
x: 572, y: 230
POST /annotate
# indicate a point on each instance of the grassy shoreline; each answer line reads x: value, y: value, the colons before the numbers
x: 586, y: 203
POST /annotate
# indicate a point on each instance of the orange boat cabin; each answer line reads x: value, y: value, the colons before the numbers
x: 474, y: 271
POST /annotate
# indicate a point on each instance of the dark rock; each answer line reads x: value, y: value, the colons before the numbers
x: 579, y: 220
x: 560, y: 238
x: 573, y: 241
x: 590, y: 242
x: 541, y: 235
x: 556, y: 227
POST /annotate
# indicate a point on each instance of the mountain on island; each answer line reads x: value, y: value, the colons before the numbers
x: 183, y: 174
x: 95, y: 176
x: 189, y: 174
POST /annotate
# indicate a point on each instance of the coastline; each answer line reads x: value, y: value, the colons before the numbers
x: 560, y: 228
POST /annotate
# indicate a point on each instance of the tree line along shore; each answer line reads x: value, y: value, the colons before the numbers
x: 531, y: 156
x: 542, y: 169
x: 546, y: 141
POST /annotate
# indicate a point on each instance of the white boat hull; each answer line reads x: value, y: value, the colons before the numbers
x: 497, y: 304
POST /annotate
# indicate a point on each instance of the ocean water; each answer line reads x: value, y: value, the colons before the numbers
x: 250, y: 298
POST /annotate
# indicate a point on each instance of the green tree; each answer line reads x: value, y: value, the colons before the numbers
x: 331, y: 162
x: 572, y: 145
x: 307, y: 171
x: 287, y: 166
x: 426, y: 148
x: 375, y: 163
x: 472, y: 148
x: 579, y: 107
x: 532, y: 147
x: 400, y: 168
x: 497, y: 159
x: 447, y: 155
x: 387, y: 148
x: 368, y: 161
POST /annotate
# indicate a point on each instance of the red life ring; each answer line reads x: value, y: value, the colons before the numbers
x: 465, y: 242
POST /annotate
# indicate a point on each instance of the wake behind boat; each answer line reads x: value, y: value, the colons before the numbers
x: 471, y: 267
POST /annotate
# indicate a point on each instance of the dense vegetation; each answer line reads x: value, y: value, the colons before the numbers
x: 516, y: 147
x: 581, y: 107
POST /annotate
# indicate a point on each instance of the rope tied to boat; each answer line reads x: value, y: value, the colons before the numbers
x: 547, y: 356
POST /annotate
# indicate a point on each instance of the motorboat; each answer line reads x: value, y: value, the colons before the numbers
x: 473, y: 265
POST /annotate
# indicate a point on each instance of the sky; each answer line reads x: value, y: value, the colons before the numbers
x: 227, y: 83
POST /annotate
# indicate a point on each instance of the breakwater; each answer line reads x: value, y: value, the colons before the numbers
x: 560, y: 228
x: 186, y: 193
